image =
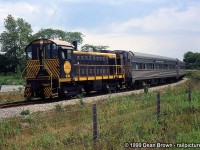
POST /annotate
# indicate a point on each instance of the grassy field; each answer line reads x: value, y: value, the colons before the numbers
x: 11, y: 79
x: 120, y: 119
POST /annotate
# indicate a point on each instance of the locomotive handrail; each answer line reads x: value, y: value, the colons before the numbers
x: 45, y: 66
x: 48, y: 70
x: 97, y: 65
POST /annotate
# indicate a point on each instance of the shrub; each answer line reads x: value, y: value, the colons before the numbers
x: 25, y: 112
x: 58, y: 107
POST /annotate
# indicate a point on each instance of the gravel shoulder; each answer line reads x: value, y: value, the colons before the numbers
x: 12, y: 112
x: 10, y: 88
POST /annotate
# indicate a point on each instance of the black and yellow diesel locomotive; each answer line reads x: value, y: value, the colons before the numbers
x: 55, y: 67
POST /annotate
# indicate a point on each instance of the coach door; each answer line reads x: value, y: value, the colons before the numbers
x: 120, y: 64
x: 128, y: 65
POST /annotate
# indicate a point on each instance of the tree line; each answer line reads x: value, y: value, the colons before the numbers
x: 192, y: 60
x: 18, y: 34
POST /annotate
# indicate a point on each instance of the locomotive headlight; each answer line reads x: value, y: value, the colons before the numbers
x: 67, y: 67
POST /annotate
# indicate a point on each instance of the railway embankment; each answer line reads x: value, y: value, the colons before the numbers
x: 15, y: 111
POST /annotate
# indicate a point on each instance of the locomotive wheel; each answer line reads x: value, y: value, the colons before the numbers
x: 60, y: 94
x: 108, y: 89
x: 41, y: 95
x: 28, y: 98
x: 87, y: 89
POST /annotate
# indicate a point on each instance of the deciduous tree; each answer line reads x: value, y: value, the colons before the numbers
x: 50, y: 33
x: 192, y: 60
x: 15, y: 37
x: 93, y: 48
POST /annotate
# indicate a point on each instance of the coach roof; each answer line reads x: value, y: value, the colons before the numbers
x: 150, y: 56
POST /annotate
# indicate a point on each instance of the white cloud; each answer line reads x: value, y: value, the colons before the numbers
x: 168, y: 31
x: 166, y: 45
x: 35, y: 14
x: 162, y: 20
x: 114, y: 2
x: 162, y: 32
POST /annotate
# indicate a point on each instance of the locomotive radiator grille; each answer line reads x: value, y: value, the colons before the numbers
x: 33, y: 67
x: 53, y: 65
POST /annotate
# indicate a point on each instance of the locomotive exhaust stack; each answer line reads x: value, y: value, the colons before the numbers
x: 75, y: 43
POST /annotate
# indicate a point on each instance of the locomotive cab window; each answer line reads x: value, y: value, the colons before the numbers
x: 48, y: 51
x: 67, y: 54
x: 29, y: 53
x: 63, y: 53
x: 54, y: 51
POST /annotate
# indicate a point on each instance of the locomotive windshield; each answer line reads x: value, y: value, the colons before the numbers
x: 37, y: 51
x: 30, y: 53
x: 51, y: 51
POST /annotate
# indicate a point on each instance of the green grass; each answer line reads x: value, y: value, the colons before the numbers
x: 193, y: 74
x: 130, y: 118
x: 11, y: 79
x: 14, y: 96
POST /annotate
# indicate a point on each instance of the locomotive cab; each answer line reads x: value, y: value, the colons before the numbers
x: 47, y: 61
x: 55, y: 67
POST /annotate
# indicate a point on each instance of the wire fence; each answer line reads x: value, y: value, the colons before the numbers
x: 97, y: 126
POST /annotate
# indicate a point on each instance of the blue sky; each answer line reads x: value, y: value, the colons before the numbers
x: 162, y: 27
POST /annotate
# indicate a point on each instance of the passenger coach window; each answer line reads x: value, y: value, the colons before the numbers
x: 134, y: 66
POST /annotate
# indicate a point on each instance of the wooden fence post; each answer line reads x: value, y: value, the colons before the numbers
x: 189, y: 95
x: 95, y: 129
x: 158, y: 106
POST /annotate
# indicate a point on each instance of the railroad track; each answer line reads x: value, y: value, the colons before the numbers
x: 26, y: 103
x: 56, y: 99
x: 49, y: 100
x: 16, y: 104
